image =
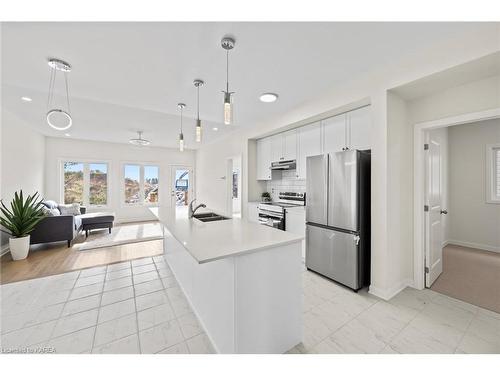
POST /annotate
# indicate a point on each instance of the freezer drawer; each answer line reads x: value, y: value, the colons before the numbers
x: 343, y: 190
x: 333, y: 254
x: 317, y: 189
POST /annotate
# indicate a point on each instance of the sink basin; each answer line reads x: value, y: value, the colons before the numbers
x: 209, y: 216
x: 205, y: 214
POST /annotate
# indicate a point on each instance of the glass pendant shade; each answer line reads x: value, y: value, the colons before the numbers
x: 198, y: 130
x: 228, y: 108
x: 181, y: 142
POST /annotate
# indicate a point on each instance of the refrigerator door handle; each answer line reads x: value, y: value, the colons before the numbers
x: 356, y: 240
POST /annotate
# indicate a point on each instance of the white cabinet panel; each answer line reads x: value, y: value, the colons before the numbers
x: 276, y: 147
x: 359, y: 137
x: 296, y: 223
x: 309, y: 137
x: 334, y: 133
x: 290, y: 145
x: 264, y: 159
x: 253, y: 212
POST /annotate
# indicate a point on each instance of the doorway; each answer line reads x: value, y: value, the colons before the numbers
x: 182, y: 189
x: 233, y: 186
x: 457, y: 208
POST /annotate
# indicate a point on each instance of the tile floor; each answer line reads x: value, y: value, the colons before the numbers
x: 128, y: 307
x: 137, y: 307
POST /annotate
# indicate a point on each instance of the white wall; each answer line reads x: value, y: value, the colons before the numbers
x: 473, y: 222
x: 22, y: 160
x: 116, y: 155
x: 387, y: 276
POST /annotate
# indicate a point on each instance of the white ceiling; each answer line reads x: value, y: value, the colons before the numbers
x: 130, y: 76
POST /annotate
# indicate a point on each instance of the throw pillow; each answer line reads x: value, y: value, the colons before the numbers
x: 50, y: 204
x: 69, y: 209
x: 50, y: 211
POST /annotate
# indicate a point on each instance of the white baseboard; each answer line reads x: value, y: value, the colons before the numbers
x: 474, y: 245
x: 388, y: 293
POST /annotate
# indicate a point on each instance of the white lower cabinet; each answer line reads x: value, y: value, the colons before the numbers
x: 253, y: 212
x: 296, y: 224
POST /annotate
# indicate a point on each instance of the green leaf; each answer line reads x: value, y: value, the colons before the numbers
x: 24, y: 214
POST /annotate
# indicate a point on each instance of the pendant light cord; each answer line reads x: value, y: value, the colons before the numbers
x: 67, y: 90
x: 181, y: 119
x: 227, y: 70
x: 198, y: 97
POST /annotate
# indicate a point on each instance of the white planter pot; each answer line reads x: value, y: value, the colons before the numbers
x: 19, y: 247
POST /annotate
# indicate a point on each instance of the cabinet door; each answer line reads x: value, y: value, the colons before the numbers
x: 290, y: 145
x: 334, y: 134
x: 296, y: 223
x: 277, y: 147
x: 309, y: 137
x: 253, y: 212
x: 264, y: 159
x: 360, y: 129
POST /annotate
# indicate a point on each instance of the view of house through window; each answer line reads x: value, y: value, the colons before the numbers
x: 85, y: 183
x: 141, y: 181
x: 151, y: 184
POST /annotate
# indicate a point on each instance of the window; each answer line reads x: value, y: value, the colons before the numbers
x: 73, y: 182
x: 493, y: 173
x: 141, y: 184
x: 85, y: 183
x: 150, y: 184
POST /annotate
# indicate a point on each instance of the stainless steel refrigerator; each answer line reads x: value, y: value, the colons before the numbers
x: 338, y: 217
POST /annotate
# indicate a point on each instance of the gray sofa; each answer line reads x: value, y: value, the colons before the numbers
x: 64, y: 227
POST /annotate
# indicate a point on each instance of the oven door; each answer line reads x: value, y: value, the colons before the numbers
x: 272, y: 219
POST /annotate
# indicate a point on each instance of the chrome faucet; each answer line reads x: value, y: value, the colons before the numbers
x: 192, y: 211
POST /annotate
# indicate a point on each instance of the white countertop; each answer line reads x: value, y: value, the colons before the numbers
x: 220, y: 239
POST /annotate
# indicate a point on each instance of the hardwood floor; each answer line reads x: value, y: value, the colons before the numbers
x: 52, y: 259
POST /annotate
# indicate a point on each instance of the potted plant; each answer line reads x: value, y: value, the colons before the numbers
x: 266, y: 197
x: 19, y: 221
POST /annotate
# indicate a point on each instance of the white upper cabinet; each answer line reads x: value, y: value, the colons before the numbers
x: 277, y: 147
x: 264, y: 159
x: 334, y: 133
x: 359, y: 136
x: 309, y: 137
x: 290, y: 145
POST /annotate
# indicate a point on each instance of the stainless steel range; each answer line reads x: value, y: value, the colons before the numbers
x: 273, y: 213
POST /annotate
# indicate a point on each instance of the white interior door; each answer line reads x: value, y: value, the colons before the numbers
x: 434, y: 225
x: 181, y: 192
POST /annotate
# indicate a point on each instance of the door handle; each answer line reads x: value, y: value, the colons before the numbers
x: 356, y: 240
x: 444, y: 212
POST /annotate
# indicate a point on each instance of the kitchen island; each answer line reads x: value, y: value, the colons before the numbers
x: 243, y: 280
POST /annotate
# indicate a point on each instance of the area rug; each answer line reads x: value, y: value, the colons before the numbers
x: 120, y: 235
x: 470, y: 275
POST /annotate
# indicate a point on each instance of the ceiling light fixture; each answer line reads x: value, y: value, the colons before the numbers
x: 215, y: 129
x: 268, y: 97
x: 197, y: 84
x: 58, y: 118
x: 181, y: 136
x: 228, y: 44
x: 26, y: 99
x: 139, y: 141
x: 67, y: 134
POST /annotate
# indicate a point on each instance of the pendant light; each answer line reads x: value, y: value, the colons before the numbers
x: 228, y: 44
x: 139, y: 141
x: 197, y: 84
x: 57, y: 117
x: 181, y: 136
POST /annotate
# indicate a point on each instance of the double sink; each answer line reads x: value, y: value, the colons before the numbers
x: 209, y: 216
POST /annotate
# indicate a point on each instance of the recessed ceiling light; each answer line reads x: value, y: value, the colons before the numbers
x: 26, y: 99
x: 67, y: 134
x: 215, y: 129
x: 268, y: 97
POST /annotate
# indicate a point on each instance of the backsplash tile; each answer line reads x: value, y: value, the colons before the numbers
x: 285, y: 181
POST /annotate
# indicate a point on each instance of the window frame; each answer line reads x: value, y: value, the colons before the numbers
x: 491, y: 173
x: 141, y: 166
x: 86, y: 180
